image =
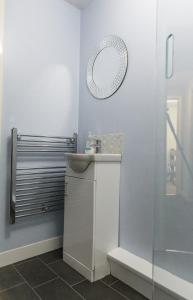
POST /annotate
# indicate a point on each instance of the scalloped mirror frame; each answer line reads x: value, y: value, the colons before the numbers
x: 105, y: 92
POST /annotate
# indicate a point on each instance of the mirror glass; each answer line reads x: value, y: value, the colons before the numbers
x: 106, y: 67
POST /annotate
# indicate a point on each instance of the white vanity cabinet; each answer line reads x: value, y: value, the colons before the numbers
x: 91, y: 216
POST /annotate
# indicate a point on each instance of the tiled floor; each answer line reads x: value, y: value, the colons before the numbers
x: 47, y: 277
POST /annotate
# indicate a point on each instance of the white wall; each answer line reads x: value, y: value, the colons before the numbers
x: 1, y: 56
x: 131, y: 110
x: 41, y: 80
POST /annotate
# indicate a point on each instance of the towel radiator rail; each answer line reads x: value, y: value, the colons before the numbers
x: 41, y: 189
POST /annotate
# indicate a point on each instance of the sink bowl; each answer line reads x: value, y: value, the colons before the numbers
x: 79, y: 162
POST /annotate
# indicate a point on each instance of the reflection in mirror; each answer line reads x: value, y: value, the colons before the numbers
x: 179, y: 156
x: 171, y: 147
x: 106, y: 67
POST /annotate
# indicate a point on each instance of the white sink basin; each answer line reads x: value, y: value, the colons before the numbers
x: 79, y: 162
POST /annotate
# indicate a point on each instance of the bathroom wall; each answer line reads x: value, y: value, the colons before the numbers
x: 131, y: 110
x: 1, y: 56
x: 41, y: 80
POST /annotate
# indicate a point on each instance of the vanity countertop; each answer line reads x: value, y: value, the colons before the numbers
x: 94, y: 157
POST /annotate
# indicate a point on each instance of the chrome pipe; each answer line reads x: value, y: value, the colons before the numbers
x: 40, y: 168
x: 42, y: 151
x: 37, y: 213
x: 39, y: 177
x: 41, y: 173
x: 39, y: 183
x: 45, y: 146
x: 39, y: 193
x: 38, y: 188
x: 38, y: 204
x: 44, y: 136
x: 40, y: 208
x: 38, y: 199
x: 71, y: 141
x: 13, y: 175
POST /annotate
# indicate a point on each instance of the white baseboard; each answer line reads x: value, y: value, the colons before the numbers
x: 80, y: 268
x: 92, y: 275
x: 28, y: 251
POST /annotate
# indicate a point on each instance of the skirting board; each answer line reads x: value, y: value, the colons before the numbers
x: 28, y: 251
x: 80, y: 268
x: 92, y: 275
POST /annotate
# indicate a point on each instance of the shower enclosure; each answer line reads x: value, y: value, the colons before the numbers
x: 173, y: 238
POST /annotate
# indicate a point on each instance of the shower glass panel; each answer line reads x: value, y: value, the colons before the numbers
x: 173, y: 240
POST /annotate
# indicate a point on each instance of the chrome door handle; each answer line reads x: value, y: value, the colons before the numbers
x: 170, y: 56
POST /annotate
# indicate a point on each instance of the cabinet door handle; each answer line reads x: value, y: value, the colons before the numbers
x: 170, y: 56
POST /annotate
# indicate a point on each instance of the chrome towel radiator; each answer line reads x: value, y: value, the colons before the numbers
x: 38, y: 189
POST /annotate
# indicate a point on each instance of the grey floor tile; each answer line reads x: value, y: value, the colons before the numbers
x: 128, y: 291
x: 23, y: 261
x: 97, y: 291
x: 56, y: 290
x: 52, y: 256
x: 22, y: 292
x: 35, y: 272
x: 109, y: 280
x: 66, y: 272
x: 9, y: 277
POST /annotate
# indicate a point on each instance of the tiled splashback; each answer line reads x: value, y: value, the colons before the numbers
x: 111, y: 143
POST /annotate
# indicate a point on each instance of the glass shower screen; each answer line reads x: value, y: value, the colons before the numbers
x: 173, y: 240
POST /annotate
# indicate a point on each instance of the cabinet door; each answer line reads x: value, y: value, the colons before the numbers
x: 78, y: 220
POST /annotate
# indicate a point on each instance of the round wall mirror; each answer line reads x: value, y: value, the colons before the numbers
x: 107, y: 67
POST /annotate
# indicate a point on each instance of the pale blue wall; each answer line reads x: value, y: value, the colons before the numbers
x: 131, y: 110
x: 41, y: 95
x: 41, y: 79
